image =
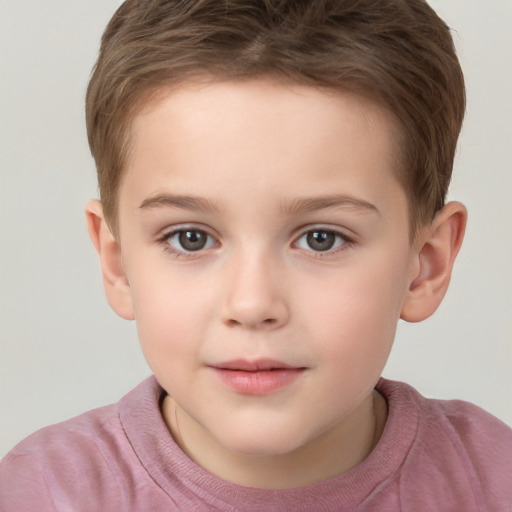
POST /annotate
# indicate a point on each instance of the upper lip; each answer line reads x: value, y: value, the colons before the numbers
x: 256, y: 365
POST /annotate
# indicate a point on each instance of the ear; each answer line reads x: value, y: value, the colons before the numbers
x: 436, y: 249
x: 117, y: 287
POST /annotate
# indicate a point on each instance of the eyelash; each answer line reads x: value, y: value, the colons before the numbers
x: 346, y: 242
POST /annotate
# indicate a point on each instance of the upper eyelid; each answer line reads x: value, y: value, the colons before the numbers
x: 297, y: 233
x: 334, y: 232
x: 343, y: 232
x: 172, y: 230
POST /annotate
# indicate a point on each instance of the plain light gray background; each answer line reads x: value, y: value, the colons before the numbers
x: 62, y: 351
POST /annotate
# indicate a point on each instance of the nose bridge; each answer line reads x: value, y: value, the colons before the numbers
x: 254, y: 296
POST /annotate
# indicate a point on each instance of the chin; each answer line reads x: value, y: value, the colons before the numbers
x: 264, y: 442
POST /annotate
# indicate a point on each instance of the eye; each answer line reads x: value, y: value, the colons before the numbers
x: 321, y: 240
x: 189, y: 240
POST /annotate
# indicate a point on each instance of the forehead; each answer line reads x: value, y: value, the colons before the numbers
x: 258, y: 99
x: 217, y: 138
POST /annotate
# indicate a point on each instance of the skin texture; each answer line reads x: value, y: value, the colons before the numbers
x: 271, y: 164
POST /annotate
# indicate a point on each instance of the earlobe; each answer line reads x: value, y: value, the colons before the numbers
x: 438, y: 247
x: 115, y: 282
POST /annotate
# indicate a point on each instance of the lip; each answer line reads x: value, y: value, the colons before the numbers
x: 259, y: 377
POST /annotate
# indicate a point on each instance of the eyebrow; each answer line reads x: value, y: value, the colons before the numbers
x: 184, y: 202
x: 311, y: 204
x: 296, y: 206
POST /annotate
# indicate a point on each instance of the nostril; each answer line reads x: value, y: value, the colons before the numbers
x: 252, y: 324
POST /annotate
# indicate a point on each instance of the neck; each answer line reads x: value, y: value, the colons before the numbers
x: 335, y: 452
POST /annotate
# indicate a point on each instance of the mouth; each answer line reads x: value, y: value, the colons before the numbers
x: 259, y: 377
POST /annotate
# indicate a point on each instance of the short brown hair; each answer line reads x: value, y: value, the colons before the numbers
x: 397, y: 52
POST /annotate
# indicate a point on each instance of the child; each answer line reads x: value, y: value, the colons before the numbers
x: 272, y: 179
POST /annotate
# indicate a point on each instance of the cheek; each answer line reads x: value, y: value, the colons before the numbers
x: 355, y: 318
x: 170, y: 312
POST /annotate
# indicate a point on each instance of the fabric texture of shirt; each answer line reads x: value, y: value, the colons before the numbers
x: 434, y: 455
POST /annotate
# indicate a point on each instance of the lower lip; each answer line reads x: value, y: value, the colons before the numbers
x: 263, y: 382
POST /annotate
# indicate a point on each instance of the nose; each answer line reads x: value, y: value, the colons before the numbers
x: 255, y: 294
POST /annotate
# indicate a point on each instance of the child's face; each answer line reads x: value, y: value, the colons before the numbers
x: 262, y: 227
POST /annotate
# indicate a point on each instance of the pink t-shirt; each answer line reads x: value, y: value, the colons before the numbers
x: 433, y: 456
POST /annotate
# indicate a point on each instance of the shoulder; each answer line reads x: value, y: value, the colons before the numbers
x: 457, y: 419
x: 73, y: 462
x: 474, y: 426
x: 481, y: 442
x: 55, y: 461
x: 457, y: 443
x: 479, y: 437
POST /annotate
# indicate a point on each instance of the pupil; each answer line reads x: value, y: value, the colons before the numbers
x: 192, y: 240
x: 321, y: 240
